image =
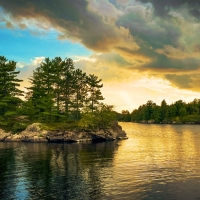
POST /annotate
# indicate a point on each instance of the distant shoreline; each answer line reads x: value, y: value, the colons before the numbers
x: 173, y: 123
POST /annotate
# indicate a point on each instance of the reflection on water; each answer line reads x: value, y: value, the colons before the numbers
x: 156, y: 162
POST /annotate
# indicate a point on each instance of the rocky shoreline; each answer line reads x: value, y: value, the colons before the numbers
x: 34, y: 133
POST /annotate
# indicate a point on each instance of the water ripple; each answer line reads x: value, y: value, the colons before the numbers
x: 156, y: 162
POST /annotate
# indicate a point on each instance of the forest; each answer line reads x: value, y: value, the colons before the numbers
x: 177, y: 112
x: 59, y: 95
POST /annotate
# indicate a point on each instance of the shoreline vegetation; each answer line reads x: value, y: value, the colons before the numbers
x: 178, y: 112
x: 60, y: 100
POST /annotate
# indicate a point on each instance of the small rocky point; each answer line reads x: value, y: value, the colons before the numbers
x: 34, y: 133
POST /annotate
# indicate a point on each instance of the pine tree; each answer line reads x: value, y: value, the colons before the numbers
x: 68, y: 83
x: 9, y: 93
x: 94, y: 93
x: 57, y: 64
x: 80, y: 92
x: 42, y: 93
x: 59, y: 91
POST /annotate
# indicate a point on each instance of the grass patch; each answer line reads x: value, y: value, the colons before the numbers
x: 17, y: 127
x: 60, y: 126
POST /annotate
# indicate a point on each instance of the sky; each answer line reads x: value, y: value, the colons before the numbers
x: 141, y: 49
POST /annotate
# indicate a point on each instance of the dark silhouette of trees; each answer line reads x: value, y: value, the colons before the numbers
x: 178, y: 112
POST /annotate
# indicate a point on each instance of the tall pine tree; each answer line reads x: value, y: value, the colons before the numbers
x: 9, y: 92
x: 94, y: 93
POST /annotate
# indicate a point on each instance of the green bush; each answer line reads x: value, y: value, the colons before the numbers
x: 19, y: 126
x: 101, y: 118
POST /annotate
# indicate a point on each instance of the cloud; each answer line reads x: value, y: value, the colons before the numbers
x: 37, y: 60
x: 75, y: 20
x: 185, y: 81
x: 106, y: 9
x: 9, y: 25
x: 162, y: 64
x: 107, y: 66
x: 147, y: 29
x: 165, y: 45
x: 26, y: 70
x: 133, y: 36
x: 181, y: 81
x: 172, y: 52
x: 162, y: 8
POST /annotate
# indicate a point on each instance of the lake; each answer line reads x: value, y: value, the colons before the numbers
x: 156, y: 162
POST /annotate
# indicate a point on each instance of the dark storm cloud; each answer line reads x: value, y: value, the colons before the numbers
x: 185, y: 81
x: 181, y: 81
x: 162, y: 7
x: 148, y: 42
x: 155, y: 35
x: 163, y: 64
x: 164, y: 44
x: 71, y: 17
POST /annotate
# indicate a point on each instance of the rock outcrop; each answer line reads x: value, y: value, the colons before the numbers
x: 102, y: 134
x: 34, y: 133
x: 3, y: 135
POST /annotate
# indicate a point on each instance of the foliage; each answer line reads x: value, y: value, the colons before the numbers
x: 59, y: 91
x: 57, y: 97
x: 124, y: 116
x: 101, y: 117
x: 19, y: 126
x: 9, y: 92
x: 61, y: 126
x: 179, y: 112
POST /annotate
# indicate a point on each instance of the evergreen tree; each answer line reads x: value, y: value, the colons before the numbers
x: 59, y: 91
x: 163, y: 110
x: 80, y: 92
x: 68, y: 85
x: 94, y: 93
x: 9, y: 93
x: 42, y: 90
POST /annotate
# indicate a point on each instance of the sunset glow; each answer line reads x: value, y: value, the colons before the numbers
x: 141, y: 49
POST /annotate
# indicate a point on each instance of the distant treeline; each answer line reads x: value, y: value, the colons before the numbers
x: 58, y: 92
x: 178, y: 112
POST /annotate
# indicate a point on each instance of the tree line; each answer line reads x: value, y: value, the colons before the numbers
x: 58, y: 92
x: 177, y: 112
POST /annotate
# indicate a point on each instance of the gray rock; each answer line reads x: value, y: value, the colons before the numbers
x: 33, y: 139
x: 14, y: 138
x: 55, y: 136
x: 35, y: 127
x: 112, y: 133
x: 34, y: 133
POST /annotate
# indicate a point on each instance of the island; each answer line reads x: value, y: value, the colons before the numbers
x: 60, y: 104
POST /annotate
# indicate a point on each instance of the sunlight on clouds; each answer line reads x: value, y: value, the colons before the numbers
x: 129, y: 95
x: 106, y: 9
x: 37, y: 60
x: 20, y: 65
x: 147, y: 50
x: 80, y: 58
x: 26, y: 71
x: 34, y: 25
x: 173, y: 52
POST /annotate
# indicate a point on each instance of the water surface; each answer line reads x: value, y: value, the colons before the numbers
x: 156, y: 162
